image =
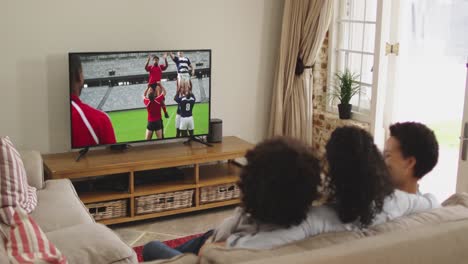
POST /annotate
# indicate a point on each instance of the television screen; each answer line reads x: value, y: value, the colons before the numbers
x: 124, y: 97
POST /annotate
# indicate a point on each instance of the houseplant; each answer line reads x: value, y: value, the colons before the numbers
x: 345, y: 87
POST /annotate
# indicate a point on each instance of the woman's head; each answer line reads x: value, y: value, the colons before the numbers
x: 280, y: 181
x: 358, y: 178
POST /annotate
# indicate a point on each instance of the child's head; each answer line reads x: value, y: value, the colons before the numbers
x: 411, y: 152
x: 280, y: 181
x: 358, y: 177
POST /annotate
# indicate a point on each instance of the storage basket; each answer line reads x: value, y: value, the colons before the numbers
x: 108, y: 210
x: 163, y: 202
x: 221, y: 192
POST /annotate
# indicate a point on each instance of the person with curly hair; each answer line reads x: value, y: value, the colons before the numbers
x: 278, y: 185
x: 410, y: 153
x: 361, y: 192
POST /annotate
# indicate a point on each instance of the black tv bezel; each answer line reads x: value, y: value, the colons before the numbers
x: 136, y: 51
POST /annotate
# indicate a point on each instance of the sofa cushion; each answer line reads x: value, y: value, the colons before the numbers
x: 455, y: 208
x: 181, y: 259
x: 14, y: 188
x: 444, y: 243
x: 457, y: 199
x: 25, y: 242
x: 92, y: 243
x: 34, y: 168
x: 59, y: 206
x: 432, y: 217
x: 215, y: 254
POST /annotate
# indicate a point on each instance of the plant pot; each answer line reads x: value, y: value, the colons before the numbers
x: 344, y: 111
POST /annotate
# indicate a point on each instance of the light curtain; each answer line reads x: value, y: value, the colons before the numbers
x: 305, y: 24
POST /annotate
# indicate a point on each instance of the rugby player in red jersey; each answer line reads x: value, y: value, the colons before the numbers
x: 153, y: 105
x: 155, y: 76
x: 89, y: 126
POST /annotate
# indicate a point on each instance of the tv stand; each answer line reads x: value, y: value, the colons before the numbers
x: 203, y: 169
x: 199, y: 140
x: 82, y: 153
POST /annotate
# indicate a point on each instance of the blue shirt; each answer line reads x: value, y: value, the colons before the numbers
x: 183, y: 64
x: 185, y: 105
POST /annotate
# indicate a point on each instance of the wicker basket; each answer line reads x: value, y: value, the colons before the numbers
x: 163, y: 202
x: 108, y: 210
x: 216, y: 193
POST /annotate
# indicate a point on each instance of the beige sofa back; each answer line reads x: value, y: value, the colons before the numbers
x: 445, y: 243
x: 216, y: 254
x: 455, y: 210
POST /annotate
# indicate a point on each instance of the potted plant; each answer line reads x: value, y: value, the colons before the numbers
x: 345, y: 87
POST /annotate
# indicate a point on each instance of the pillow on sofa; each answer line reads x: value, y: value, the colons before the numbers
x: 14, y: 188
x: 26, y: 243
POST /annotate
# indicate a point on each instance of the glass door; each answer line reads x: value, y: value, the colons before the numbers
x: 426, y: 80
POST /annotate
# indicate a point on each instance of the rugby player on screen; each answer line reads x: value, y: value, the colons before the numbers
x: 184, y: 67
x: 153, y: 105
x: 90, y: 126
x: 155, y: 76
x: 186, y: 104
x: 178, y: 95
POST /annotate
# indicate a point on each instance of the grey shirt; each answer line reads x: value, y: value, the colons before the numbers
x: 241, y: 231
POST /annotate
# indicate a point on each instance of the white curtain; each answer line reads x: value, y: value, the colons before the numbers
x: 305, y: 24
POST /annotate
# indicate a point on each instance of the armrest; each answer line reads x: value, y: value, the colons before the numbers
x: 32, y: 161
x: 91, y: 243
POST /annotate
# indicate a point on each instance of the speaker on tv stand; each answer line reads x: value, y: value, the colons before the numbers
x: 216, y: 131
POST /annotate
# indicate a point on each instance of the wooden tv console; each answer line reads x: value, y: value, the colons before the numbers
x: 202, y: 166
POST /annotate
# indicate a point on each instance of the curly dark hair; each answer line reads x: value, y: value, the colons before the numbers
x: 359, y: 180
x: 418, y: 141
x: 280, y: 181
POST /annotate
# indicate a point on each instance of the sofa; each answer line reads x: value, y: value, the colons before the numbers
x: 66, y: 222
x: 436, y: 236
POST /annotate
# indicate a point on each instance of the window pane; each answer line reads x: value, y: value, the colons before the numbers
x: 353, y: 62
x: 362, y: 103
x: 367, y: 69
x: 355, y: 102
x: 369, y: 39
x: 352, y: 37
x: 353, y: 9
x: 366, y: 94
x: 371, y: 10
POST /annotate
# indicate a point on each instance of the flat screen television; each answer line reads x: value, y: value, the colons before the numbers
x: 135, y: 96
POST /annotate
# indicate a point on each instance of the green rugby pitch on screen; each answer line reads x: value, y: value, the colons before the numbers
x: 130, y: 125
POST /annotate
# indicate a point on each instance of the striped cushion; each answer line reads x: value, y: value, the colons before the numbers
x: 14, y: 188
x: 26, y: 243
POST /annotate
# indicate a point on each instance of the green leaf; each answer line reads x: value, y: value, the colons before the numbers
x: 345, y: 86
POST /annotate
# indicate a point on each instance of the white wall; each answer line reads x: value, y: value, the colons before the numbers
x: 35, y: 37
